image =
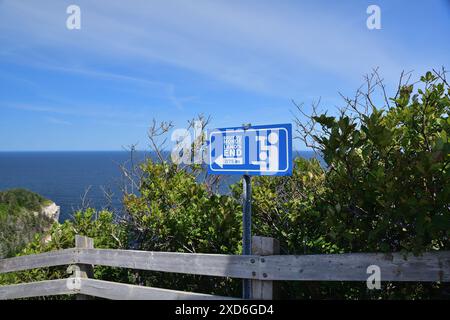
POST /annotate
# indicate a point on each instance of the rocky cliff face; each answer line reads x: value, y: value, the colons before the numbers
x: 23, y: 214
x: 51, y: 211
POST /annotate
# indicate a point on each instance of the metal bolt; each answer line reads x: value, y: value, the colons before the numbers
x: 262, y: 260
x: 252, y: 260
x: 265, y: 275
x: 254, y: 273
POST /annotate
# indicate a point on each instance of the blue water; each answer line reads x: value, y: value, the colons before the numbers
x: 63, y: 177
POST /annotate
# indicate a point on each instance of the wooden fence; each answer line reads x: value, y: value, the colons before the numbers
x: 263, y: 267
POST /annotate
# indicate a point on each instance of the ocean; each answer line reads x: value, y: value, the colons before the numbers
x: 64, y: 177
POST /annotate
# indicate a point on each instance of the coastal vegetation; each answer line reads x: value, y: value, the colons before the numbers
x: 385, y: 188
x: 21, y: 218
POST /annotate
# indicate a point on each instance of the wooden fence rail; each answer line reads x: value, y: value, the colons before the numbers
x: 263, y: 267
x: 98, y: 288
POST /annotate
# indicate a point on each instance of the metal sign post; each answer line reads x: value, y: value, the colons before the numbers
x: 247, y: 230
x: 250, y: 150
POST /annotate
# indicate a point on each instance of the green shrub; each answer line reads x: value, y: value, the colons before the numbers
x: 20, y: 219
x: 173, y: 212
x: 389, y: 173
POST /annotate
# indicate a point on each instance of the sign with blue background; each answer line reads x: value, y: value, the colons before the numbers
x: 253, y: 150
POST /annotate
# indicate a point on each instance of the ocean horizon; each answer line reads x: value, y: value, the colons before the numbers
x: 65, y: 177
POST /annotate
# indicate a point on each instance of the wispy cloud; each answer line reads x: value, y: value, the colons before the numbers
x: 235, y: 60
x: 177, y: 101
x: 106, y: 117
x: 248, y: 44
x: 140, y: 84
x: 110, y: 76
x: 57, y: 121
x: 97, y: 111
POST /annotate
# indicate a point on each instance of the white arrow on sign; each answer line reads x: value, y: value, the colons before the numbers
x: 219, y: 161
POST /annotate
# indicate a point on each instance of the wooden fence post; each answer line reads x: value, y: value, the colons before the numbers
x: 264, y: 246
x: 86, y: 270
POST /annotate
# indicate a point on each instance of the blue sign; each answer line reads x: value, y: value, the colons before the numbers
x: 254, y: 150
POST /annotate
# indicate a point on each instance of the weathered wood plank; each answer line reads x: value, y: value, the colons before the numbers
x: 82, y: 242
x: 85, y: 270
x: 190, y: 263
x: 431, y: 266
x: 120, y: 291
x: 47, y: 259
x: 264, y: 246
x: 35, y: 289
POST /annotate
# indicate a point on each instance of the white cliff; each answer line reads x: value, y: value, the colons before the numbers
x: 52, y: 211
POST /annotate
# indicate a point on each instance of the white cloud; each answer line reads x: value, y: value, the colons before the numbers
x: 57, y: 121
x: 97, y: 111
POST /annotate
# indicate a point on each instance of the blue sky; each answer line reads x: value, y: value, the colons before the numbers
x: 98, y: 88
